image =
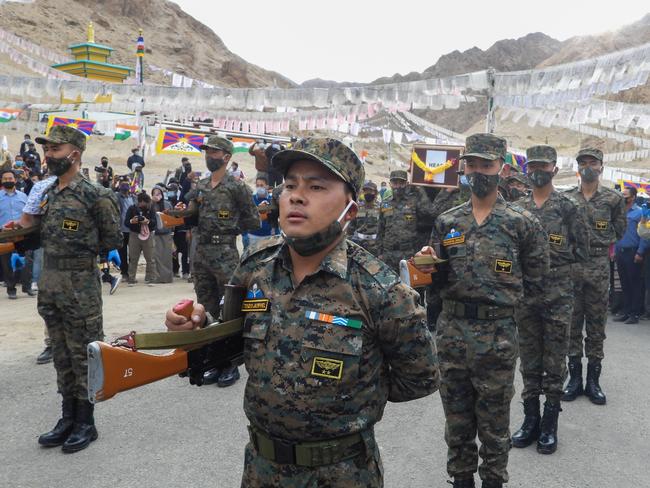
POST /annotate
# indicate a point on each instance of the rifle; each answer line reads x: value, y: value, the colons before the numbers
x: 18, y: 239
x: 120, y: 366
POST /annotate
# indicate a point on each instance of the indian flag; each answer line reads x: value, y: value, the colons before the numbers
x: 124, y: 131
x: 241, y: 144
x: 8, y: 114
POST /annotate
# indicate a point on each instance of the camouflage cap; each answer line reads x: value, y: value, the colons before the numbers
x: 485, y: 146
x: 520, y: 177
x: 399, y: 174
x: 63, y: 134
x: 370, y: 185
x: 331, y: 153
x: 218, y: 142
x: 590, y: 151
x: 541, y: 154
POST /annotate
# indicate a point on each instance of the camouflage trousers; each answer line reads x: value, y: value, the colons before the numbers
x: 590, y: 309
x: 365, y: 471
x: 212, y: 267
x: 477, y: 368
x: 544, y: 337
x: 70, y: 303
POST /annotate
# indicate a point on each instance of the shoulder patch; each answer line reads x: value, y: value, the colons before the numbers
x: 377, y: 269
x: 271, y: 242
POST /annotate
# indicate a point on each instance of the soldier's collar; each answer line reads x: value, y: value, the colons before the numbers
x: 74, y: 182
x: 499, y: 206
x: 336, y: 262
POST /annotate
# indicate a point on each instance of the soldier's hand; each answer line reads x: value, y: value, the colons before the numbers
x: 180, y: 206
x: 176, y: 322
x: 425, y: 251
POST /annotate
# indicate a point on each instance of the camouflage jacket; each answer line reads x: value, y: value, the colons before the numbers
x: 366, y: 223
x: 82, y: 219
x: 495, y: 263
x: 565, y: 225
x: 447, y: 200
x: 605, y: 215
x: 324, y: 356
x: 401, y: 219
x: 226, y: 209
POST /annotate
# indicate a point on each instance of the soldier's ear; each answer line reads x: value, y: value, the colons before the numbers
x: 227, y: 157
x: 352, y: 212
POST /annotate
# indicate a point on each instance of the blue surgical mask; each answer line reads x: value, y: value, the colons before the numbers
x: 261, y: 192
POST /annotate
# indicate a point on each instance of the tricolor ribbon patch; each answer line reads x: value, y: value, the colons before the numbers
x: 332, y: 319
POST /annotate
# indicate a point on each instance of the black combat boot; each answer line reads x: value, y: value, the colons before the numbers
x: 547, y: 442
x: 491, y: 484
x: 463, y: 483
x: 61, y: 431
x: 84, y: 431
x: 573, y: 388
x: 592, y: 386
x: 529, y: 430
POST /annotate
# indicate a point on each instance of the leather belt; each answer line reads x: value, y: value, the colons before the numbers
x: 477, y: 311
x: 310, y: 454
x: 69, y: 263
x: 218, y: 239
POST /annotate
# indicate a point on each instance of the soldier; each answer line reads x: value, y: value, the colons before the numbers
x: 544, y: 321
x: 80, y: 222
x: 604, y: 210
x: 398, y: 234
x: 446, y: 199
x: 335, y: 337
x: 497, y: 255
x: 363, y: 229
x: 518, y: 186
x: 224, y: 207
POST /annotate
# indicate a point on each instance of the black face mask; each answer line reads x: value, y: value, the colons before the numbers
x: 588, y: 174
x: 540, y: 178
x: 214, y: 164
x: 369, y: 197
x: 315, y: 243
x: 516, y: 194
x: 8, y: 184
x: 59, y: 166
x: 482, y: 185
x: 187, y: 168
x: 104, y: 163
x: 399, y: 192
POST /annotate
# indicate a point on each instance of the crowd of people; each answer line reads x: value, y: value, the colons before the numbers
x: 518, y: 269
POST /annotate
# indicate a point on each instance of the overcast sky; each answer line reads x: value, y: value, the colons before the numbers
x: 361, y: 40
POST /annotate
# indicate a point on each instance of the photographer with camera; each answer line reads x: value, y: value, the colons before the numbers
x: 104, y: 173
x: 141, y: 221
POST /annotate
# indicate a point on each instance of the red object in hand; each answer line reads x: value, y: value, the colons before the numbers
x: 185, y: 308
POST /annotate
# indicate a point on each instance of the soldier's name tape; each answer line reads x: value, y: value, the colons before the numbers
x: 255, y: 305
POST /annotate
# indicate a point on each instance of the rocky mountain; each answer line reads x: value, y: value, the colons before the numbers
x: 174, y: 40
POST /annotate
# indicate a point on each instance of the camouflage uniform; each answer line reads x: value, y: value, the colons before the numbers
x: 491, y: 268
x: 79, y: 222
x: 223, y: 212
x: 606, y: 218
x: 399, y: 235
x: 364, y: 229
x: 544, y: 322
x: 324, y: 356
x: 444, y: 201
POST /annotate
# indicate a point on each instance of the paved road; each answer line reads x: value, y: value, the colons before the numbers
x: 171, y: 434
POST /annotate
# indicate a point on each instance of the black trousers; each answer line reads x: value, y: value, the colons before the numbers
x: 180, y: 242
x: 11, y: 277
x: 124, y: 254
x: 632, y: 283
